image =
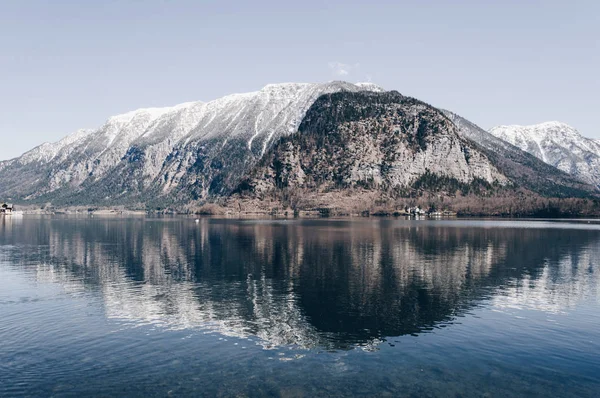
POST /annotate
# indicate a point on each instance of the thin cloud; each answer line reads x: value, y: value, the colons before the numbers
x: 341, y: 69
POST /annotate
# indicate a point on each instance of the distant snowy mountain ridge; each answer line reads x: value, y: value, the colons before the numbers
x: 559, y: 145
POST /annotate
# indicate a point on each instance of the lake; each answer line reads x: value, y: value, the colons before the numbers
x: 298, y: 308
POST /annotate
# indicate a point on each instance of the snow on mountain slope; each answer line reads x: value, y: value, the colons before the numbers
x: 48, y: 151
x: 158, y: 147
x: 230, y: 135
x: 368, y: 86
x: 557, y: 144
x: 175, y: 123
x: 263, y: 116
x: 520, y: 166
x: 98, y: 152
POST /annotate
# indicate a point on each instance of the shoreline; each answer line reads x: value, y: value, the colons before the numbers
x: 314, y: 214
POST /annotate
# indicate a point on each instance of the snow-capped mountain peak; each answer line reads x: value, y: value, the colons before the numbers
x: 49, y: 151
x: 370, y: 87
x: 558, y: 144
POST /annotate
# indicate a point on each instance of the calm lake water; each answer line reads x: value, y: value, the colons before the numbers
x: 298, y: 308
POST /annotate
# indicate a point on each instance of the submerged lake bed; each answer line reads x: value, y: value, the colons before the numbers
x: 370, y: 307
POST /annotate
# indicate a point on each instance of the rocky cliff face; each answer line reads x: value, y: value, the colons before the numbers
x: 559, y: 145
x: 376, y: 141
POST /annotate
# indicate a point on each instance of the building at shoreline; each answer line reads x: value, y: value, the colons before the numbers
x: 6, y: 208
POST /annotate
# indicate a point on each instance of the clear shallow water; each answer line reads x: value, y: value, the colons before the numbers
x: 376, y: 307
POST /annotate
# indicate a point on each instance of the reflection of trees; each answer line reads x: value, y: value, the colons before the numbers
x: 319, y: 283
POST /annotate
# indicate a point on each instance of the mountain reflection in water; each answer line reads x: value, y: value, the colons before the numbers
x: 329, y: 284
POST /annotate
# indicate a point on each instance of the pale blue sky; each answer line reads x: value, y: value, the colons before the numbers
x: 65, y: 65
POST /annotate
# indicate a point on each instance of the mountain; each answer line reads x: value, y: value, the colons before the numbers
x: 181, y: 153
x: 322, y: 140
x: 559, y: 145
x: 521, y: 167
x: 382, y: 140
x: 356, y: 149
